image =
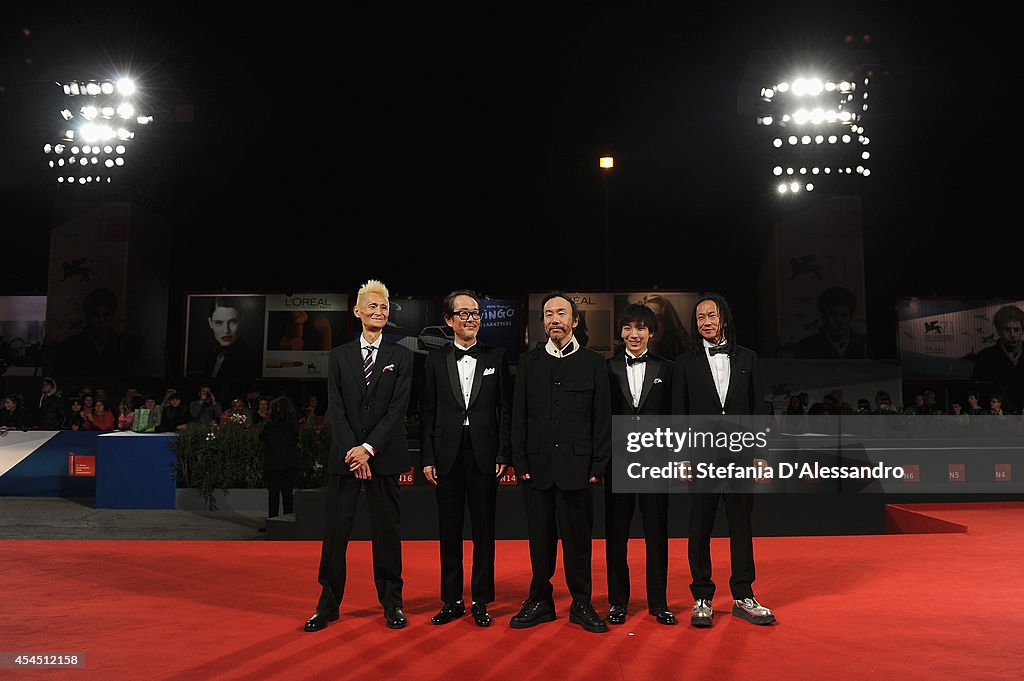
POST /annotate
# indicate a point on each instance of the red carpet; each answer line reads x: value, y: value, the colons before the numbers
x: 904, y: 606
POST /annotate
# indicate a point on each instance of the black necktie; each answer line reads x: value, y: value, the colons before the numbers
x: 715, y: 349
x: 630, y: 361
x: 472, y: 352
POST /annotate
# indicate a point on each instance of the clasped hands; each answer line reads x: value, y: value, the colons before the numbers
x: 358, y: 460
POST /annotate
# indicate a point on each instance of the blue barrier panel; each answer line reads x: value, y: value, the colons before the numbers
x: 135, y: 470
x: 35, y: 463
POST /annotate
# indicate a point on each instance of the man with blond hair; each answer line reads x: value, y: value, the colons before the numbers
x: 368, y: 386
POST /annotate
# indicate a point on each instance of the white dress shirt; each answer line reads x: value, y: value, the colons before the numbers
x: 467, y: 369
x: 363, y: 344
x: 720, y: 370
x: 635, y: 375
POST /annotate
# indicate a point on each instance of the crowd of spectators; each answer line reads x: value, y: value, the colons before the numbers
x: 91, y: 408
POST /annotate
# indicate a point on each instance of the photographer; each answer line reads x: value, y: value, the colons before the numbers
x: 206, y: 409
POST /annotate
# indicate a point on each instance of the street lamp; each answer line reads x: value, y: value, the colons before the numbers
x: 606, y: 163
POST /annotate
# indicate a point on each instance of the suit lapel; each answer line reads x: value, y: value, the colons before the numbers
x: 355, y: 356
x: 380, y: 361
x: 650, y: 373
x: 453, y: 374
x: 710, y: 377
x: 619, y: 370
x: 734, y: 371
x: 478, y: 375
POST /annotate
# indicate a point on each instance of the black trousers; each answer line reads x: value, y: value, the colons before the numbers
x: 382, y: 499
x: 552, y: 512
x: 280, y: 486
x: 703, y: 508
x: 466, y: 485
x: 618, y: 514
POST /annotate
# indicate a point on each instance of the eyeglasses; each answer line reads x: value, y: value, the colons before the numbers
x: 466, y: 315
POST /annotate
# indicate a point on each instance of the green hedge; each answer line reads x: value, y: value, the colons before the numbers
x: 230, y: 455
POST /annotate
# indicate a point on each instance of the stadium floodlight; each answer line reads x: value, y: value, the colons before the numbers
x: 95, y: 136
x: 783, y: 188
x: 810, y: 187
x: 825, y: 109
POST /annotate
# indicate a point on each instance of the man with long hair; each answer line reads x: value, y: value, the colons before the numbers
x: 718, y: 376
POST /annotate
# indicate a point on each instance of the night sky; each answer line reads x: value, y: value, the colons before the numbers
x: 389, y: 141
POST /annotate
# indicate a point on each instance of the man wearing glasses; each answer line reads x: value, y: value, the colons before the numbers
x: 466, y: 418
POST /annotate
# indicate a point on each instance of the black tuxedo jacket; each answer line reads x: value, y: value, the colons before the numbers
x: 561, y: 418
x: 656, y: 394
x: 374, y: 414
x: 443, y: 409
x: 693, y: 386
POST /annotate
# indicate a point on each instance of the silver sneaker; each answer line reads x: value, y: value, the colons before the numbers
x: 752, y: 611
x: 702, y: 614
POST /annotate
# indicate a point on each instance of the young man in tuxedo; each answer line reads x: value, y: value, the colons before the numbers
x: 640, y: 385
x: 368, y: 386
x: 561, y: 444
x: 719, y: 376
x: 466, y: 409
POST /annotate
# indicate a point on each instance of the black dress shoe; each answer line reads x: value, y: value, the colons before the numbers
x: 449, y: 612
x: 584, y: 615
x: 663, y: 614
x: 533, y: 613
x: 395, y: 618
x: 320, y: 619
x: 480, y: 614
x: 617, y: 614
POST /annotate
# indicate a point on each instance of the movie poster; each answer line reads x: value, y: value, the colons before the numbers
x: 22, y: 320
x: 959, y: 339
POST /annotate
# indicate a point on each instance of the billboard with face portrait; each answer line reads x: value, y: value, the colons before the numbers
x: 960, y: 338
x: 224, y: 337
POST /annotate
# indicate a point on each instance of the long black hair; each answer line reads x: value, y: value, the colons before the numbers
x: 282, y: 411
x: 728, y: 327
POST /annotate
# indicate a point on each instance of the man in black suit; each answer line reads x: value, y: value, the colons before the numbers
x: 561, y: 444
x: 719, y: 377
x: 640, y: 385
x: 466, y: 409
x: 368, y: 384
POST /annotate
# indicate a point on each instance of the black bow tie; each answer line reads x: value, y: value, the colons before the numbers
x: 472, y: 352
x: 630, y: 361
x: 715, y: 349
